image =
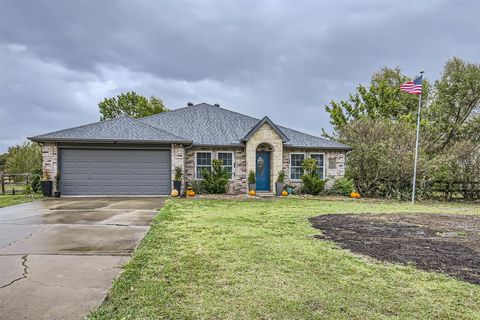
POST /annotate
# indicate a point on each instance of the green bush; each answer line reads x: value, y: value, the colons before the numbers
x: 178, y: 174
x: 312, y: 184
x: 251, y: 177
x: 197, y: 186
x: 343, y: 186
x: 36, y: 178
x: 215, y: 181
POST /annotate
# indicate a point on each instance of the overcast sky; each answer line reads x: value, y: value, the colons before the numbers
x: 284, y: 59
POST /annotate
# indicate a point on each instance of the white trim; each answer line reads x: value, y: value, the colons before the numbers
x: 290, y: 165
x: 195, y: 167
x: 324, y: 164
x: 233, y: 162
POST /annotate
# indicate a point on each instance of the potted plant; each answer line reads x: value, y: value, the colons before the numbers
x: 289, y: 188
x: 56, y: 194
x: 251, y: 181
x: 177, y: 179
x: 280, y: 183
x: 47, y: 184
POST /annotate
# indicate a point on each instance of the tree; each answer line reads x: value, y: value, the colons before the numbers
x: 130, y: 104
x: 381, y: 162
x: 383, y: 99
x: 24, y: 158
x: 3, y: 159
x: 455, y: 110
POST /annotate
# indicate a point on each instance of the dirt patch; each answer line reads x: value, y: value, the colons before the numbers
x: 433, y: 242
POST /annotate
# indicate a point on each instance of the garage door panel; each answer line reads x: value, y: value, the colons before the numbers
x: 115, y: 172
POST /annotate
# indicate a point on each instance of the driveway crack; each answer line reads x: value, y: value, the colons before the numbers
x: 24, y: 275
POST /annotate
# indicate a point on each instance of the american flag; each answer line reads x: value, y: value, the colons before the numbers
x: 413, y: 87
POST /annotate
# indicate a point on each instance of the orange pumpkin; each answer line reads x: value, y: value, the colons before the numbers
x: 174, y: 193
x: 252, y: 193
x: 355, y: 195
x: 191, y: 193
x: 284, y: 193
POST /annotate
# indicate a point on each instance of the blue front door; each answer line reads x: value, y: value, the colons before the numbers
x: 263, y: 170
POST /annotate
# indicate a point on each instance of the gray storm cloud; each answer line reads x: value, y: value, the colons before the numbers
x: 284, y: 59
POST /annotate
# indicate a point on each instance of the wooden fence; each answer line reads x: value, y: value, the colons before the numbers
x: 15, y: 183
x: 456, y: 189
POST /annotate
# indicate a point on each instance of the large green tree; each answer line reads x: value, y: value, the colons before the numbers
x: 130, y: 104
x: 382, y: 99
x: 378, y: 121
x: 24, y: 158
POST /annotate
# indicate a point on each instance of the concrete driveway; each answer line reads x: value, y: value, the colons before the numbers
x: 58, y: 257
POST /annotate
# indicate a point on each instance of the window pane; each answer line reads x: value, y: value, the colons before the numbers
x: 226, y: 157
x: 319, y: 158
x: 296, y: 173
x: 296, y: 160
x: 204, y: 158
x: 204, y: 161
x: 200, y: 169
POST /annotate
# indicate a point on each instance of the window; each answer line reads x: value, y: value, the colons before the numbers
x: 320, y: 163
x: 227, y: 159
x: 332, y: 163
x: 296, y: 170
x: 203, y: 160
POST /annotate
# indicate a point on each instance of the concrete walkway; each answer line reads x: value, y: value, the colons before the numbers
x: 58, y: 257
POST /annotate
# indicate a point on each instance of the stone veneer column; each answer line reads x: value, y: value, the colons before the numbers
x: 266, y: 134
x: 178, y: 160
x: 50, y: 159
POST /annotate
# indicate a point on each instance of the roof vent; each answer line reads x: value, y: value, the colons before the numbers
x: 216, y: 105
x: 189, y: 104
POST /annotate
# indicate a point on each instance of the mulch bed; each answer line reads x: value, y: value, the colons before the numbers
x: 433, y: 242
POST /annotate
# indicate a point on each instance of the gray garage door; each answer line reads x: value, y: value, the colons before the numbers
x: 115, y: 172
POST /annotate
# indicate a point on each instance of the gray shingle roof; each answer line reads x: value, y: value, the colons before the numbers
x: 211, y: 125
x: 202, y: 124
x: 122, y: 129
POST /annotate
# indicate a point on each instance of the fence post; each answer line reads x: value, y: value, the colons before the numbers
x: 2, y: 182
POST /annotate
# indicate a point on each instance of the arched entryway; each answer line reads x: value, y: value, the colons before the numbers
x: 263, y: 167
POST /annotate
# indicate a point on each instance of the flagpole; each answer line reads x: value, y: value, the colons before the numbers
x: 416, y: 145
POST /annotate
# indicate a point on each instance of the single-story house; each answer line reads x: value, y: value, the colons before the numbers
x: 127, y: 156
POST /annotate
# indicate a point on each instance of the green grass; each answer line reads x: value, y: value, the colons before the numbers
x: 207, y: 259
x: 9, y: 200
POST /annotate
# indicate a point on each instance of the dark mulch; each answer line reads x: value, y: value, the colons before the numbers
x: 433, y: 242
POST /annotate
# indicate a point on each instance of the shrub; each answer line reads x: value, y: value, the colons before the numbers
x: 197, y: 186
x: 251, y: 177
x: 281, y: 176
x: 35, y: 183
x: 343, y: 186
x: 312, y: 184
x: 215, y: 181
x: 178, y: 174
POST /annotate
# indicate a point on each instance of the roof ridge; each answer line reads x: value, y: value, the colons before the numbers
x: 156, y: 128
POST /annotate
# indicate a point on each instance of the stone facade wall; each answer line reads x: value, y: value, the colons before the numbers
x: 265, y: 134
x: 50, y: 159
x: 178, y: 160
x: 330, y: 173
x: 239, y: 182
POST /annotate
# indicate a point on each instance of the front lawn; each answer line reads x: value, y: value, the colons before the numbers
x: 215, y: 259
x: 10, y: 200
